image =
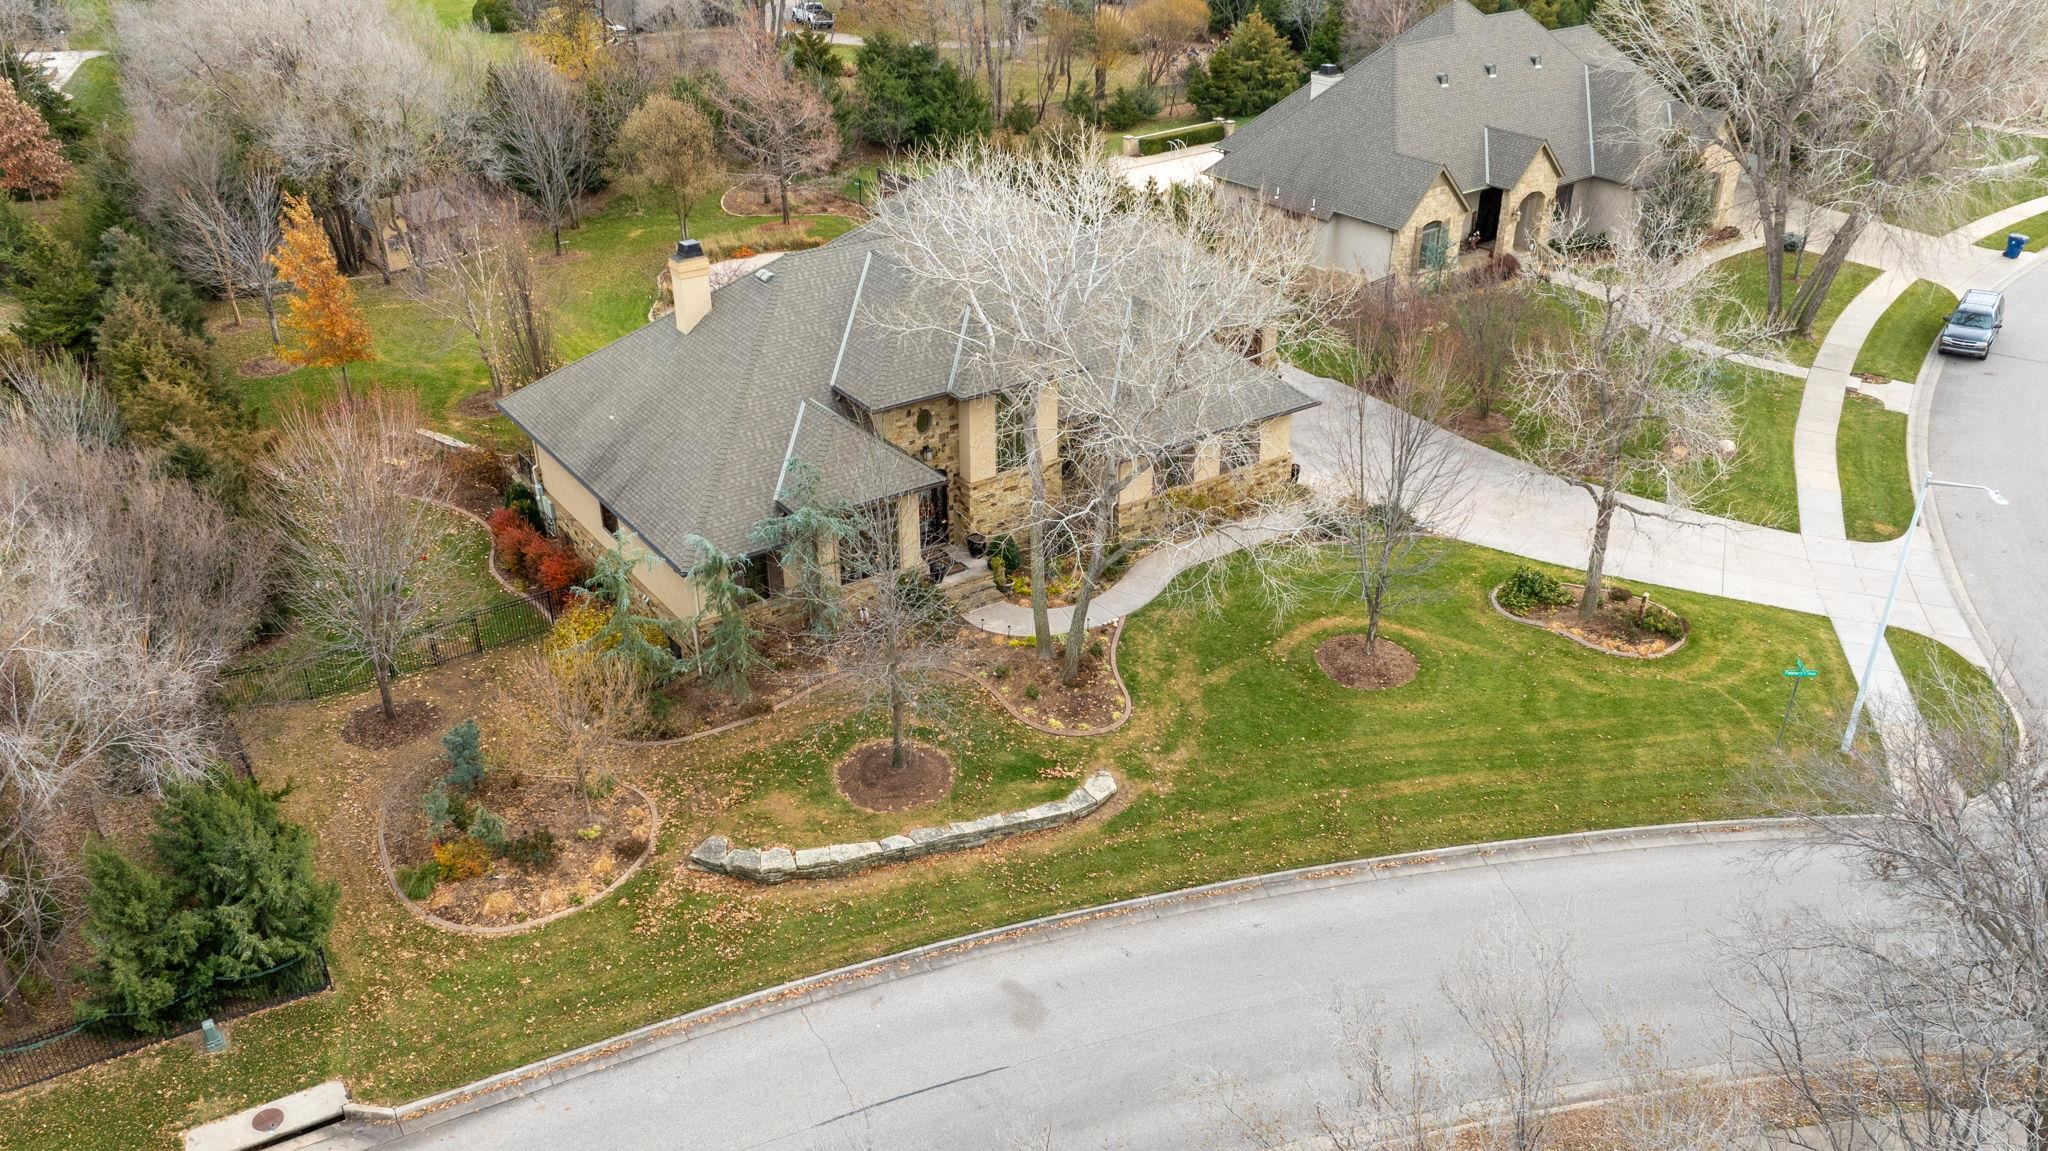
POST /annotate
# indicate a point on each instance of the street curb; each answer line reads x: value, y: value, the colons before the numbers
x: 370, y: 1126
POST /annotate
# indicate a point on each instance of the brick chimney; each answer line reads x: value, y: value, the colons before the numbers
x: 1321, y: 80
x: 689, y: 281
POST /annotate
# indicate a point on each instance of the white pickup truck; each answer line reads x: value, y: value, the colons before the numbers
x: 810, y: 14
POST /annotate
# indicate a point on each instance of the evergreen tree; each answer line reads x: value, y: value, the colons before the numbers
x: 1289, y: 18
x: 627, y: 633
x: 173, y: 396
x: 905, y: 94
x: 1326, y: 39
x: 1559, y: 13
x: 462, y: 750
x: 810, y: 51
x: 228, y: 900
x: 128, y: 265
x: 1250, y: 73
x: 726, y: 654
x: 59, y: 293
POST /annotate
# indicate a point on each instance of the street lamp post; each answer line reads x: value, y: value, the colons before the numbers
x: 1927, y: 484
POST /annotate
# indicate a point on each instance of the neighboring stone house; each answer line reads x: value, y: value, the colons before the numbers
x: 1467, y: 132
x: 692, y: 425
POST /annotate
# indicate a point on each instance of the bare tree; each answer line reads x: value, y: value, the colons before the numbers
x: 1629, y: 395
x: 351, y: 483
x: 1400, y: 480
x: 1487, y: 326
x: 1133, y: 332
x: 57, y: 398
x: 774, y: 121
x: 219, y: 208
x: 1864, y: 107
x: 479, y: 273
x: 537, y: 129
x: 1928, y: 1029
x: 590, y: 699
x: 891, y: 634
x: 1370, y: 23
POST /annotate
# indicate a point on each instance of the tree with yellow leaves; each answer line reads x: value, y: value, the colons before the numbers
x: 322, y: 312
x: 572, y: 39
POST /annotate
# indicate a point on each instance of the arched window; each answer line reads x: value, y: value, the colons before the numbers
x: 1433, y: 247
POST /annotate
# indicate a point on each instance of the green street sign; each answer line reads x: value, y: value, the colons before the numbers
x: 1797, y: 673
x: 1799, y: 670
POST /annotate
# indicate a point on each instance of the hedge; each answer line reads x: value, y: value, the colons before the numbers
x: 1197, y: 134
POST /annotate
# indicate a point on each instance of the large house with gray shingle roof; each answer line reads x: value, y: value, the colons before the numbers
x: 696, y: 424
x: 1466, y: 132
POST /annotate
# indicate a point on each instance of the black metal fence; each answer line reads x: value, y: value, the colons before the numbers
x: 291, y: 681
x: 61, y: 1050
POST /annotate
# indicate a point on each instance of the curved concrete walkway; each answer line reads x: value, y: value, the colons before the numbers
x: 1112, y: 1027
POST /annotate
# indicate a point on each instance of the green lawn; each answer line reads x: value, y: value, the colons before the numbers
x: 1954, y: 210
x: 1906, y: 330
x: 1870, y: 458
x: 1943, y: 683
x: 601, y: 285
x: 2035, y: 228
x: 1760, y: 488
x: 1241, y: 758
x: 1744, y: 286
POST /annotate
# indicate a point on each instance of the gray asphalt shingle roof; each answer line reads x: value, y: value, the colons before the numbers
x: 689, y: 434
x: 1369, y: 146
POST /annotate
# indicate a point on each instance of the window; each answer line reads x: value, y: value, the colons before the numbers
x: 1179, y: 467
x: 1239, y: 448
x: 1013, y: 447
x: 862, y: 557
x: 924, y: 420
x: 1433, y: 247
x: 608, y: 518
x: 751, y: 573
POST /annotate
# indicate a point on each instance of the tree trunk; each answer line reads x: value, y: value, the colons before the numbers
x: 558, y: 238
x: 270, y: 311
x: 1041, y: 610
x: 383, y: 670
x: 346, y: 390
x: 1814, y: 292
x: 785, y: 201
x: 1596, y: 559
x: 897, y: 706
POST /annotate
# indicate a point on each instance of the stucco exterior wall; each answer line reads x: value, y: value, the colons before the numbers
x: 1276, y: 439
x: 1727, y: 174
x: 580, y: 516
x: 1350, y: 245
x: 1602, y: 206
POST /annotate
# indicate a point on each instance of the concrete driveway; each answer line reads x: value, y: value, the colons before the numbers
x: 1989, y: 425
x: 1115, y: 1032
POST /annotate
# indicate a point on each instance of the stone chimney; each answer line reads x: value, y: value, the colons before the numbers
x: 1321, y: 80
x: 689, y: 281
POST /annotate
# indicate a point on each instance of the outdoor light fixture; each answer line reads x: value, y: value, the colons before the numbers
x: 1884, y: 619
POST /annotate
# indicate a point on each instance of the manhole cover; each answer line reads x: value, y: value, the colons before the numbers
x: 268, y: 1119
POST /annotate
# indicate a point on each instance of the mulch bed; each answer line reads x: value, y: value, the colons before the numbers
x: 688, y: 705
x: 263, y: 367
x: 868, y: 781
x: 367, y: 727
x: 507, y: 894
x: 1346, y: 659
x: 1614, y: 628
x: 1032, y: 687
x: 744, y: 199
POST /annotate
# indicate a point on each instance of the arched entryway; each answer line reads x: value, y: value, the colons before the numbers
x: 1529, y: 220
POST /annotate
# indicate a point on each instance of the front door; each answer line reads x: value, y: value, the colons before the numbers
x: 1486, y: 222
x: 934, y: 516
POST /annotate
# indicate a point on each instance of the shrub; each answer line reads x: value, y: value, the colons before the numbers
x: 1189, y: 137
x: 532, y: 851
x: 1527, y: 589
x: 1020, y: 119
x: 590, y: 834
x: 479, y: 468
x: 462, y: 750
x: 1005, y: 548
x: 495, y: 15
x: 488, y: 828
x: 1080, y: 104
x: 418, y: 882
x: 1030, y: 691
x: 562, y: 568
x: 462, y: 859
x: 1662, y: 620
x: 520, y: 498
x: 1127, y: 108
x: 601, y: 786
x: 226, y: 899
x: 998, y: 570
x: 743, y: 252
x: 629, y: 848
x: 1096, y: 647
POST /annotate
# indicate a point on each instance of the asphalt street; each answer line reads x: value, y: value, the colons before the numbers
x: 1136, y: 1033
x: 1989, y: 425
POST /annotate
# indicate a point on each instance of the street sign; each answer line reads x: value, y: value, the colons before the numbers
x: 1798, y: 673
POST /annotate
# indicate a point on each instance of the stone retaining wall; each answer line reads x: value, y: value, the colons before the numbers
x: 776, y: 864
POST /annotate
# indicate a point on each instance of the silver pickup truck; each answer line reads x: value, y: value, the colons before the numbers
x: 811, y: 14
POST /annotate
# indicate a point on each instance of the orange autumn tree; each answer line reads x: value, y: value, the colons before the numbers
x: 30, y: 160
x: 322, y: 311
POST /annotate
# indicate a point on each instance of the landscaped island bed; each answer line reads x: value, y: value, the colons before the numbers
x: 1242, y: 757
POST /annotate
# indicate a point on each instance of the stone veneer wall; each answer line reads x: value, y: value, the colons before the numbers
x: 776, y: 864
x: 1258, y: 481
x: 899, y: 427
x: 1002, y: 502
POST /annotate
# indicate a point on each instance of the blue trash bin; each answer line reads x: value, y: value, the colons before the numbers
x: 2015, y: 243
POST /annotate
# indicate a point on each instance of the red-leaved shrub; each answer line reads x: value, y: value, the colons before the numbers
x: 562, y: 569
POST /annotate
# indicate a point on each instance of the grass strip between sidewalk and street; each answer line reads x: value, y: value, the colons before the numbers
x: 1870, y: 460
x: 1900, y: 340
